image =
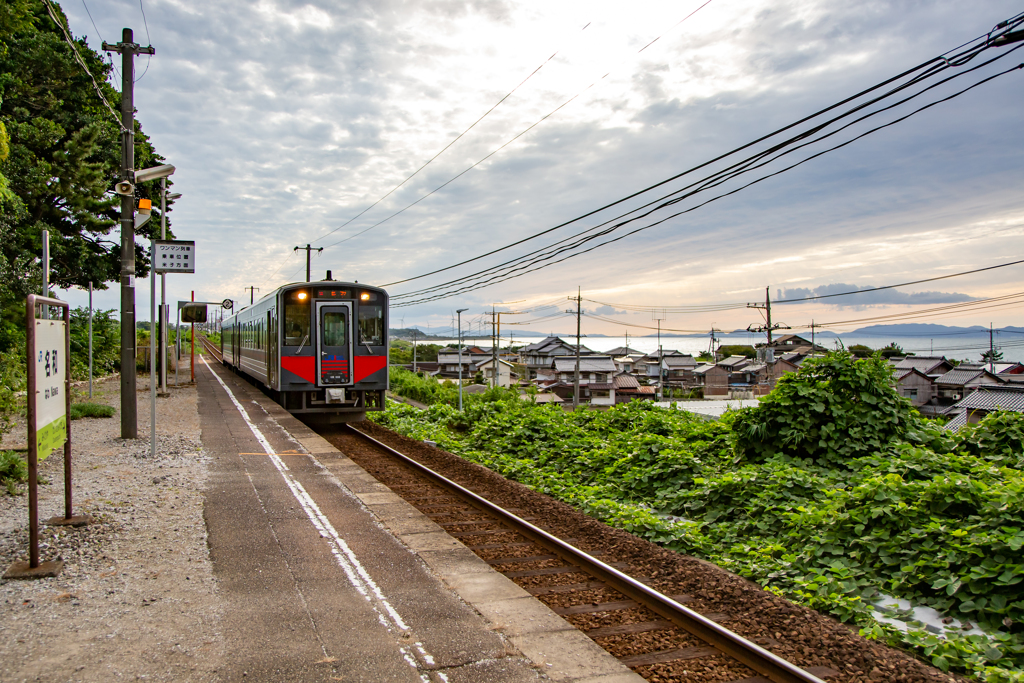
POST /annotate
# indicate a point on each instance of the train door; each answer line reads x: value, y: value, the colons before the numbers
x: 272, y: 357
x: 334, y: 343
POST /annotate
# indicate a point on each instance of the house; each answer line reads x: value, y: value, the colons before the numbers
x: 752, y: 378
x: 505, y: 373
x: 791, y: 343
x: 448, y: 361
x: 954, y: 385
x: 782, y: 365
x: 678, y: 370
x: 539, y: 357
x: 622, y: 351
x: 735, y: 362
x: 596, y: 379
x: 716, y: 380
x: 626, y: 363
x: 627, y: 388
x: 933, y: 366
x: 1008, y: 368
x: 978, y: 404
x: 915, y: 386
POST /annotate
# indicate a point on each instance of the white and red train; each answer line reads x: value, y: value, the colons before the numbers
x: 319, y: 348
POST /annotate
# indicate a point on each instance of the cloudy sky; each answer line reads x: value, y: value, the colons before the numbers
x: 287, y: 119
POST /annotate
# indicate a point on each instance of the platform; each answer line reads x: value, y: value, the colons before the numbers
x: 328, y: 575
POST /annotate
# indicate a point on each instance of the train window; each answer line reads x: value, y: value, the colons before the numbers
x: 334, y: 329
x: 296, y: 322
x: 371, y: 325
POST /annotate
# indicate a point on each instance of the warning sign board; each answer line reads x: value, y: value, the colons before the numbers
x: 174, y: 256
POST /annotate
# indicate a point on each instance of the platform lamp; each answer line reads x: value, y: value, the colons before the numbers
x: 459, y: 313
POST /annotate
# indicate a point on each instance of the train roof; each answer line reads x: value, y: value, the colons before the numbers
x: 329, y: 283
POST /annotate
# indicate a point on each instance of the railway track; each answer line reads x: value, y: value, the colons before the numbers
x: 655, y: 634
x: 210, y: 347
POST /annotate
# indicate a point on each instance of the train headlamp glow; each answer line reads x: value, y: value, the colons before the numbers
x: 302, y: 296
x: 365, y: 296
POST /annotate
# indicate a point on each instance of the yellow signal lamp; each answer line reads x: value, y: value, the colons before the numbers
x: 145, y: 206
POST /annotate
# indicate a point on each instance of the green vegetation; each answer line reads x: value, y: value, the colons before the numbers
x: 861, y: 350
x: 726, y: 350
x: 832, y: 492
x: 106, y: 343
x: 80, y: 410
x: 13, y: 471
x: 401, y: 352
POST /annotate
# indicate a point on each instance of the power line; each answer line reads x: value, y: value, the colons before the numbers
x: 511, y: 267
x: 493, y: 152
x: 81, y: 62
x: 933, y: 66
x: 148, y: 40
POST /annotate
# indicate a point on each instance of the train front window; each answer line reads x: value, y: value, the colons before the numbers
x: 371, y: 325
x: 334, y: 329
x: 296, y: 321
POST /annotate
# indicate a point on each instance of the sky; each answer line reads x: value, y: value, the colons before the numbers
x: 286, y: 120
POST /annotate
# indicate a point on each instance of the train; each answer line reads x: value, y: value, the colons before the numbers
x: 320, y: 349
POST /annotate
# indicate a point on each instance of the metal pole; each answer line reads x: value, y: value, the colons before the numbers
x: 46, y: 271
x: 152, y: 345
x: 414, y: 351
x: 33, y: 442
x: 177, y: 345
x: 494, y: 349
x: 192, y: 341
x: 309, y: 250
x: 661, y: 389
x: 991, y: 352
x: 163, y: 290
x: 67, y: 412
x: 90, y: 339
x: 768, y: 312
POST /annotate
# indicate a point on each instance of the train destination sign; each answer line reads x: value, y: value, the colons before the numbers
x: 174, y: 256
x: 50, y: 403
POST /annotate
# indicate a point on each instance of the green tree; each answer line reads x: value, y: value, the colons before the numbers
x: 893, y: 349
x: 992, y: 356
x: 860, y: 350
x: 63, y: 158
x: 726, y: 350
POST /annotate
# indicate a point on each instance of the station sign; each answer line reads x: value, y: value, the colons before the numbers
x: 174, y: 256
x: 50, y: 372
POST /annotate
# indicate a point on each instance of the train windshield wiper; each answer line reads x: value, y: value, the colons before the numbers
x: 304, y: 340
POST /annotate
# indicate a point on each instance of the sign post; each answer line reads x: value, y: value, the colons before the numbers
x: 49, y: 402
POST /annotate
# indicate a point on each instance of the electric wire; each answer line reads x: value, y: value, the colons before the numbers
x: 81, y: 62
x: 113, y: 66
x: 704, y: 185
x: 937, y: 63
x: 518, y: 269
x: 503, y: 146
x: 148, y: 40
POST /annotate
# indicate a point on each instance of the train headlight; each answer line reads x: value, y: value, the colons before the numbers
x: 302, y: 296
x: 365, y: 296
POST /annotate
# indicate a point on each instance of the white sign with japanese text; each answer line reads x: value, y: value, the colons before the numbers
x: 51, y: 375
x: 174, y: 256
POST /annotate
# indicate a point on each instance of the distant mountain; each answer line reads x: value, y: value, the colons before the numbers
x: 921, y: 330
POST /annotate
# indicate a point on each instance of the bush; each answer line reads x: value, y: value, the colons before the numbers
x: 13, y: 471
x: 106, y: 343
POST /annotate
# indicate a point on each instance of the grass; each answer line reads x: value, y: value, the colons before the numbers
x: 13, y: 471
x: 80, y: 410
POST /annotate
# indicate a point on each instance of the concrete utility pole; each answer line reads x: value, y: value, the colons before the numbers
x: 661, y: 388
x: 128, y: 49
x: 576, y: 381
x: 991, y: 352
x: 253, y: 290
x: 309, y: 250
x: 460, y: 312
x: 494, y: 348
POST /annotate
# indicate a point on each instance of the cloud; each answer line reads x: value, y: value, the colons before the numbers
x: 607, y: 310
x: 877, y: 298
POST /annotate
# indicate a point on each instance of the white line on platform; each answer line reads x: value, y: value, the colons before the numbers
x: 357, y: 575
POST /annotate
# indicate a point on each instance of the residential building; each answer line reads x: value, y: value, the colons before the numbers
x: 933, y: 366
x: 539, y: 357
x: 915, y: 386
x: 973, y: 408
x: 505, y: 374
x: 956, y: 384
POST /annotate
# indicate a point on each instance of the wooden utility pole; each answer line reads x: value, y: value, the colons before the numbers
x: 767, y: 308
x: 128, y: 49
x: 576, y: 381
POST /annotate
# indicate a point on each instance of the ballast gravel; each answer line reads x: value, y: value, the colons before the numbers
x: 136, y: 599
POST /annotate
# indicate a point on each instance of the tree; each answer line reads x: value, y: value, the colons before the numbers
x: 992, y: 356
x: 893, y: 349
x: 63, y: 159
x: 726, y: 350
x: 861, y: 350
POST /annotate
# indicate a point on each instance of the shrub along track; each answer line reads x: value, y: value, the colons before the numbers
x: 643, y: 640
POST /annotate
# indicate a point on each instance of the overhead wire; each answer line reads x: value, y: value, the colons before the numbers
x: 515, y: 268
x: 148, y: 40
x: 81, y: 62
x: 935, y: 64
x: 503, y: 146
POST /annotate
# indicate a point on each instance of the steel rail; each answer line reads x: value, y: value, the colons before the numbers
x: 736, y: 646
x: 211, y: 347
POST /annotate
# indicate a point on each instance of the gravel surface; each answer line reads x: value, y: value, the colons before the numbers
x: 797, y: 634
x: 136, y: 599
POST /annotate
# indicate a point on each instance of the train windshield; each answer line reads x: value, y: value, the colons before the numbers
x: 334, y: 329
x: 371, y: 325
x: 296, y: 321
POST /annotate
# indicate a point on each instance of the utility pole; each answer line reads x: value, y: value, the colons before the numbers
x: 576, y: 381
x: 414, y: 349
x: 459, y: 313
x: 661, y: 389
x: 128, y: 49
x: 494, y: 348
x: 812, y: 336
x: 991, y: 352
x: 253, y: 290
x: 767, y: 308
x: 309, y: 250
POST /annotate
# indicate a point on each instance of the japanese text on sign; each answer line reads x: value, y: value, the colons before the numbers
x: 51, y: 374
x: 174, y: 256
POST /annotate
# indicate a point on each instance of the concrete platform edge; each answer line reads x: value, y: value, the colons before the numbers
x: 554, y: 645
